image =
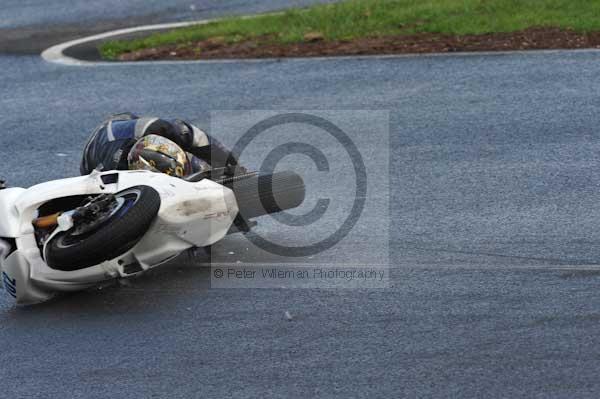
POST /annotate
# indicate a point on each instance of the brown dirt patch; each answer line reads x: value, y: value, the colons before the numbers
x: 530, y: 39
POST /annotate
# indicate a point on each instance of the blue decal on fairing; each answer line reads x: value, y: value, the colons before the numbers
x: 10, y: 285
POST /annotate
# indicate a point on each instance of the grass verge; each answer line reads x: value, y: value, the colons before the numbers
x: 357, y: 19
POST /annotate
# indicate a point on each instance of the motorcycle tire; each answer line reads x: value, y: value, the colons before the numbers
x: 114, y: 237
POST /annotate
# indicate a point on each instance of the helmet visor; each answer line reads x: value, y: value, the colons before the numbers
x: 158, y: 154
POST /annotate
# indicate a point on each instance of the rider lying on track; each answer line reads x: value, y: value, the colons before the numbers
x: 171, y: 146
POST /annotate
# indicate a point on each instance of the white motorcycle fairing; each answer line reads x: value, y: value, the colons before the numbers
x: 190, y: 215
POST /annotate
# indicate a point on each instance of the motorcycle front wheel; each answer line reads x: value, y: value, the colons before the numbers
x: 128, y: 221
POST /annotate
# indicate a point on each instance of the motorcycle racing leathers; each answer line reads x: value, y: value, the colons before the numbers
x: 110, y: 143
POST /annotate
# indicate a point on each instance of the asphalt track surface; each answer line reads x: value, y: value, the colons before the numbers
x: 16, y: 13
x: 492, y: 225
x: 32, y: 26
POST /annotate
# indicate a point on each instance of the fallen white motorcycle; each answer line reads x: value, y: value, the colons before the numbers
x: 75, y: 233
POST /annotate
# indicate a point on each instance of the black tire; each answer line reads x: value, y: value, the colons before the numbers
x: 270, y: 193
x: 113, y: 238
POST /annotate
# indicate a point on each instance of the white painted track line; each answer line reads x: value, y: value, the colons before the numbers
x: 55, y: 54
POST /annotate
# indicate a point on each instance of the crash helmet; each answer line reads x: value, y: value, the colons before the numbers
x: 159, y: 154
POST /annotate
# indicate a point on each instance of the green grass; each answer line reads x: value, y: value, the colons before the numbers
x: 368, y: 18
